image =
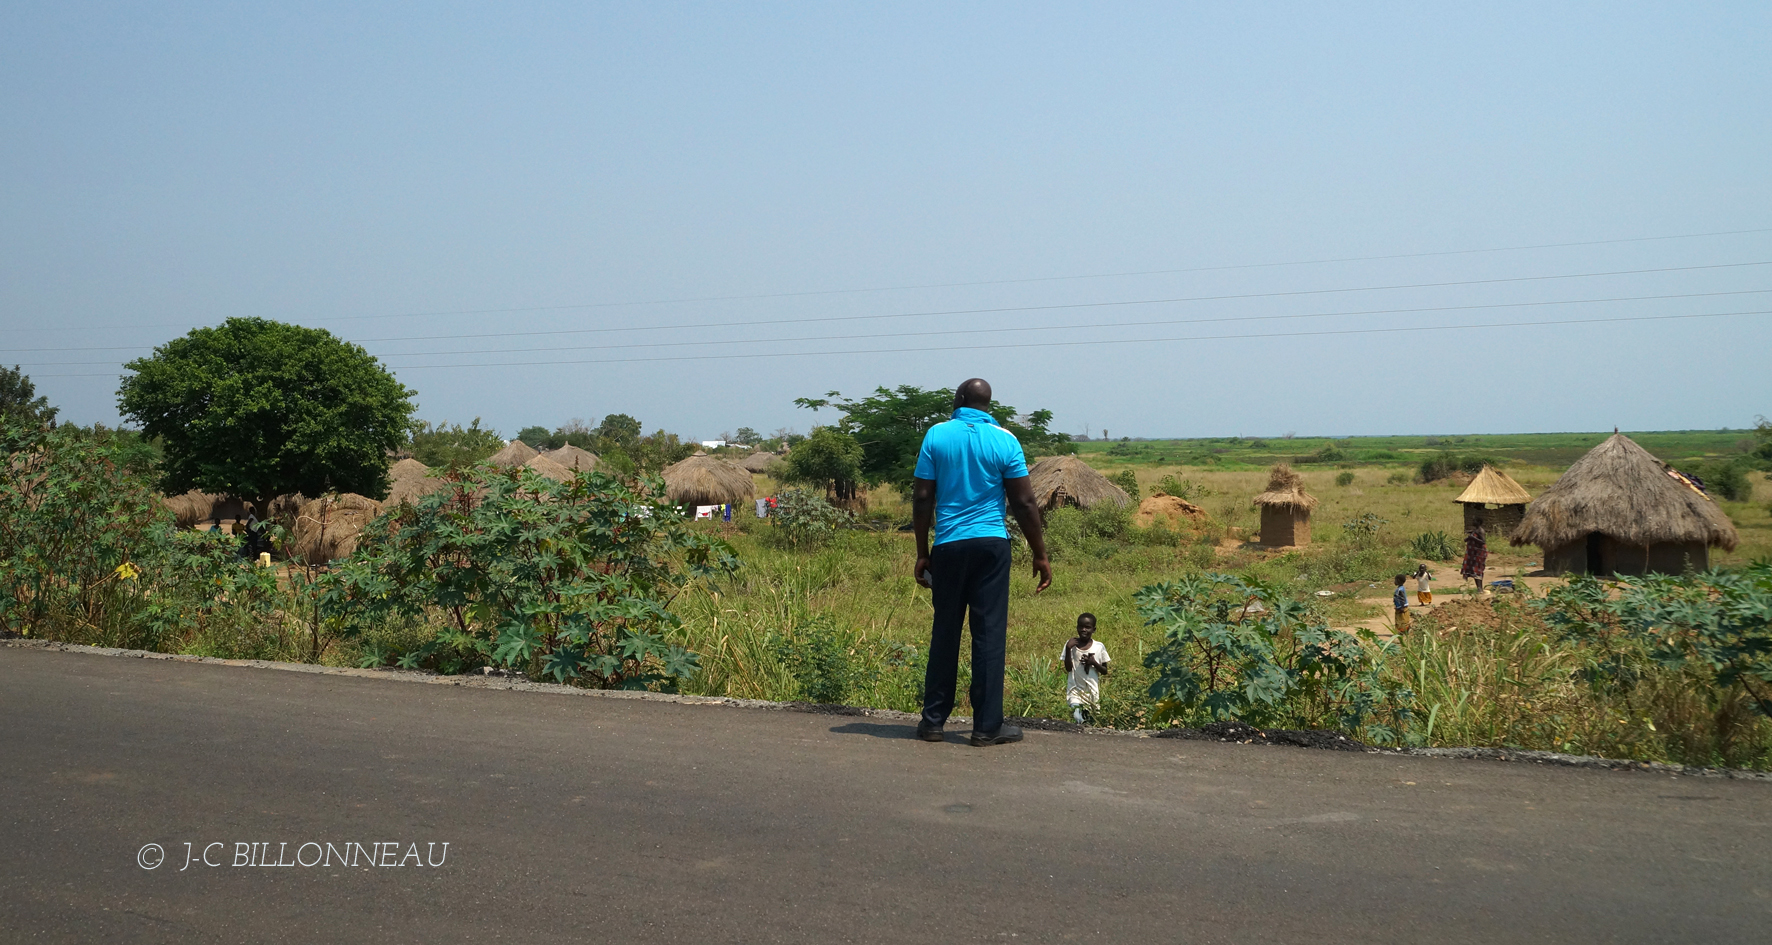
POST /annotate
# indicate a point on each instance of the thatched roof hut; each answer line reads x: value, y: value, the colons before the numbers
x: 1285, y: 509
x: 550, y: 469
x: 196, y: 508
x: 516, y: 453
x: 707, y: 480
x: 327, y: 528
x: 1619, y: 510
x: 573, y: 458
x: 760, y: 461
x: 1067, y: 480
x: 409, y: 479
x: 1495, y: 501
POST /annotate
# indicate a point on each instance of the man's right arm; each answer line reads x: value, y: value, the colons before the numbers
x: 922, y: 517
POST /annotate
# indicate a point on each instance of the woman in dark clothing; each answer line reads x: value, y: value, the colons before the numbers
x: 1476, y: 555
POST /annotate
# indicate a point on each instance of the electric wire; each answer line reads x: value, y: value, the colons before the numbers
x: 1066, y: 344
x: 953, y: 285
x: 1000, y: 309
x: 1031, y: 328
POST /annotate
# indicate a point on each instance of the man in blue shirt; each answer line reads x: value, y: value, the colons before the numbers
x: 970, y: 471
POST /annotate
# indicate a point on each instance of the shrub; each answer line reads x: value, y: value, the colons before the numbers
x: 1237, y: 649
x: 822, y: 659
x: 1435, y: 546
x: 1362, y: 529
x: 1730, y: 479
x: 1128, y: 480
x: 803, y: 520
x: 570, y: 580
x: 88, y: 554
x: 1185, y: 489
x: 1330, y: 453
x: 1398, y: 479
x: 1344, y: 479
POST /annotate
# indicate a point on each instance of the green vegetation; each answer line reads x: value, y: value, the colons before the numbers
x: 1435, y: 546
x: 19, y: 402
x: 258, y: 409
x: 452, y: 446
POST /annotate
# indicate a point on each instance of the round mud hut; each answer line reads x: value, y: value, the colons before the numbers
x: 326, y: 529
x: 409, y: 479
x: 515, y: 454
x: 1494, y: 500
x: 573, y: 458
x: 1619, y: 510
x: 1285, y: 509
x: 1066, y: 480
x: 707, y: 480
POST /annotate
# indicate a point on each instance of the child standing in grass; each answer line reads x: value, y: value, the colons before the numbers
x: 1424, y: 585
x: 1086, y: 660
x: 1400, y: 604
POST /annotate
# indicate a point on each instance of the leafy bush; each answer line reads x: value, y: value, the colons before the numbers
x: 1330, y: 453
x: 1344, y: 479
x: 1127, y: 480
x: 803, y: 520
x: 1730, y: 479
x: 1362, y: 529
x: 822, y: 659
x: 88, y: 554
x: 451, y: 446
x: 1436, y: 468
x: 1235, y: 648
x: 1185, y: 489
x: 570, y: 580
x: 1070, y: 530
x: 1716, y: 625
x: 1397, y: 479
x: 1435, y: 546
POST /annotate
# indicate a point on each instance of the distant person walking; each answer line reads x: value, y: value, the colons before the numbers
x: 1476, y: 555
x: 969, y: 471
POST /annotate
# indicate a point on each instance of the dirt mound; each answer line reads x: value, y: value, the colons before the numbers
x: 1245, y: 734
x: 1176, y: 513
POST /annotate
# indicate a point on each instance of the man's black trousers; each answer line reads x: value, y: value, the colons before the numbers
x: 969, y: 574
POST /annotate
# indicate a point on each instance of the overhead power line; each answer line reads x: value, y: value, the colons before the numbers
x: 1032, y: 328
x: 999, y: 310
x: 1064, y: 344
x: 510, y: 310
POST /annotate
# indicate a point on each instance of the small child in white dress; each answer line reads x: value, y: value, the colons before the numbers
x: 1086, y: 660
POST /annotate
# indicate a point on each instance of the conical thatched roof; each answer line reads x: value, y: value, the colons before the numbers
x: 573, y: 458
x: 1619, y: 489
x: 516, y: 454
x: 327, y: 528
x: 707, y: 480
x: 1285, y: 489
x: 408, y: 479
x: 191, y: 508
x: 1494, y: 487
x: 550, y: 469
x: 1067, y: 480
x: 760, y: 461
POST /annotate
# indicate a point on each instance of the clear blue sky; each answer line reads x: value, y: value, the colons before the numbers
x: 343, y: 166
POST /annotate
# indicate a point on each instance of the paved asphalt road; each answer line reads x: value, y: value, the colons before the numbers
x: 600, y: 820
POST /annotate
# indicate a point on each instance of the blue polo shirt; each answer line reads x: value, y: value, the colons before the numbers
x: 968, y: 457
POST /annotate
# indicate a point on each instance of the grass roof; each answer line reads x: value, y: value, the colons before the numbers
x: 1620, y: 489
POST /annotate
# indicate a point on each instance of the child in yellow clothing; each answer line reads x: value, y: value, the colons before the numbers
x: 1424, y: 585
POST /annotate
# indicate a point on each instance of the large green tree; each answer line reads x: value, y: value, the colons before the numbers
x: 257, y: 409
x: 19, y: 401
x: 890, y: 425
x: 830, y: 459
x: 452, y: 445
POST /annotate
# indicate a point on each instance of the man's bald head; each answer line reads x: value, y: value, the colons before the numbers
x: 975, y: 393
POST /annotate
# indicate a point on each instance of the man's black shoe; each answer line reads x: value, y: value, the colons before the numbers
x: 929, y: 733
x: 1002, y: 736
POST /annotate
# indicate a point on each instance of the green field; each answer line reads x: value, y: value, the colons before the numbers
x: 1554, y: 450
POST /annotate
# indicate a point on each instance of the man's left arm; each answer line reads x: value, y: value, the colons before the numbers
x: 1026, y: 510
